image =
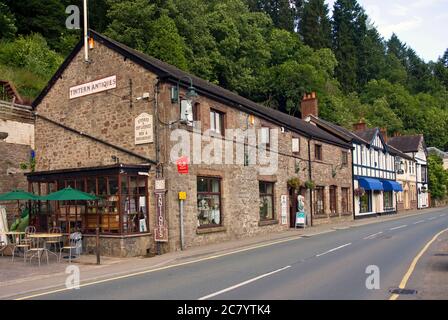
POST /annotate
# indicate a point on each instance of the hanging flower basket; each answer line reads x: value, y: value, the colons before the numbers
x: 310, y: 184
x: 294, y: 183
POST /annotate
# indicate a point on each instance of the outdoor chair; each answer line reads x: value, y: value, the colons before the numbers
x: 23, y: 243
x: 36, y: 250
x: 74, y: 246
x: 55, y: 242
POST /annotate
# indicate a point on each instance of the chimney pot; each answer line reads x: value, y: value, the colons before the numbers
x: 360, y: 126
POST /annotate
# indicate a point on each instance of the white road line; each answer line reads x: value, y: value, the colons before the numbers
x: 429, y: 219
x: 334, y: 249
x: 399, y: 227
x: 442, y: 215
x: 372, y: 235
x: 420, y: 221
x: 242, y: 284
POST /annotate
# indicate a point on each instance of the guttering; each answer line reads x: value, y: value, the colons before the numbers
x: 95, y: 139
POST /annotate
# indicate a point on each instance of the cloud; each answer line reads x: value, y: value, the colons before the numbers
x: 406, y: 25
x: 424, y: 3
x: 398, y: 10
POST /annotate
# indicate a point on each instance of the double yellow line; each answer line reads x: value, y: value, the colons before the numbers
x: 408, y: 274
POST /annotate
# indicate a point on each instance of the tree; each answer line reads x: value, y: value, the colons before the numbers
x: 7, y: 23
x: 438, y: 177
x: 345, y: 17
x: 284, y: 13
x: 315, y: 26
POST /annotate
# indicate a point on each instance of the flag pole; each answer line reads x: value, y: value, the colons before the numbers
x: 86, y: 36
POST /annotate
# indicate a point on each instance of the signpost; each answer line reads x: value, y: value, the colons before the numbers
x: 161, y: 231
x: 284, y: 209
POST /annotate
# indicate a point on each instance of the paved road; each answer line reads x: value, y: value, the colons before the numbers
x: 326, y: 266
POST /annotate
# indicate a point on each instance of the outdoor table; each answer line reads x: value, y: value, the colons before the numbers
x: 14, y: 233
x: 42, y: 236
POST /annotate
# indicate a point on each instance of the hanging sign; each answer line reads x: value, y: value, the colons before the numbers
x: 182, y: 165
x: 93, y: 87
x: 161, y: 230
x: 284, y: 209
x: 143, y: 129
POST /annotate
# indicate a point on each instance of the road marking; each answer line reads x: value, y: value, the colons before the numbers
x: 408, y: 274
x: 372, y: 235
x: 432, y: 218
x: 161, y: 268
x: 334, y: 249
x: 242, y: 284
x: 399, y: 227
x: 420, y: 221
x: 442, y: 215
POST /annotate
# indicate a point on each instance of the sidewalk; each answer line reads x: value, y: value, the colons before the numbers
x: 19, y: 278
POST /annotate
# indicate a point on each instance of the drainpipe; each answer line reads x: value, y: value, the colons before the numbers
x: 310, y: 177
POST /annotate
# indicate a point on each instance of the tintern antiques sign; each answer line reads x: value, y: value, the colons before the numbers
x: 161, y: 231
x: 143, y: 129
x: 93, y: 87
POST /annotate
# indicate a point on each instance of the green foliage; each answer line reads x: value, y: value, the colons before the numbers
x: 315, y: 26
x: 438, y: 177
x: 7, y: 23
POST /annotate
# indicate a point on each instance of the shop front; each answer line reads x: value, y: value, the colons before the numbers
x: 122, y: 214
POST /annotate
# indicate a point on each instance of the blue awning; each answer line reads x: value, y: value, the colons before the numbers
x: 391, y: 185
x: 370, y: 184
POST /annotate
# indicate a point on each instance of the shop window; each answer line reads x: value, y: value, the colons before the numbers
x: 318, y: 208
x: 217, y: 121
x: 365, y: 202
x: 344, y: 200
x: 266, y: 200
x: 318, y: 152
x: 134, y: 204
x: 209, y: 201
x: 388, y: 203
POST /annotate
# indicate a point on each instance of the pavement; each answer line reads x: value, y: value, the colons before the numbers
x: 312, y: 263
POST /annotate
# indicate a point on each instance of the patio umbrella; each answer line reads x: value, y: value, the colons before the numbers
x: 18, y: 195
x: 68, y: 194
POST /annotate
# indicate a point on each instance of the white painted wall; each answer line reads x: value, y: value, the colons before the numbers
x: 18, y: 132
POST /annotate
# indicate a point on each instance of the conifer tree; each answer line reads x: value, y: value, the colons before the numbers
x: 315, y: 26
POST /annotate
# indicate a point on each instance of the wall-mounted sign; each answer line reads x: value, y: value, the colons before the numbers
x: 161, y: 231
x: 182, y: 165
x: 284, y: 209
x: 159, y: 184
x: 93, y: 87
x: 143, y: 129
x: 182, y: 195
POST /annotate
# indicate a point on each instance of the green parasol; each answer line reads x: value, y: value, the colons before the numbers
x: 69, y: 194
x: 18, y: 195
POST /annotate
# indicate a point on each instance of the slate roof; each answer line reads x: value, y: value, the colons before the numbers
x: 167, y: 72
x: 367, y: 134
x: 406, y: 143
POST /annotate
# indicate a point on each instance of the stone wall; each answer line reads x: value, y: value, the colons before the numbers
x: 116, y: 246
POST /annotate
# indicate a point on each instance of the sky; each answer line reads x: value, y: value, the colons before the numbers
x: 421, y: 24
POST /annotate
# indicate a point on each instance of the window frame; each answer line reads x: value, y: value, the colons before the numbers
x: 221, y: 121
x: 344, y: 158
x: 209, y: 192
x: 271, y: 195
x: 318, y: 153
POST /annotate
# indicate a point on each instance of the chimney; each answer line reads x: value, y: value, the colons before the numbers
x: 360, y: 126
x: 309, y: 105
x: 384, y: 134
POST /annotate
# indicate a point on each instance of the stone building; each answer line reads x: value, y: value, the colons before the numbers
x: 16, y: 144
x: 150, y: 139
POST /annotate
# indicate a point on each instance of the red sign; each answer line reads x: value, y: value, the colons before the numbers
x: 161, y: 231
x: 182, y: 165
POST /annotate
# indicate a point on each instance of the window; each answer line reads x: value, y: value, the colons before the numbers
x: 388, y: 203
x: 423, y: 174
x: 217, y: 121
x: 318, y: 207
x: 344, y: 158
x: 318, y: 152
x: 266, y: 200
x: 209, y: 201
x: 295, y: 145
x: 344, y: 200
x: 365, y: 202
x: 186, y: 111
x: 265, y: 137
x: 333, y: 200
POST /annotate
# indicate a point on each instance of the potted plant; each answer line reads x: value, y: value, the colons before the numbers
x: 294, y: 183
x: 309, y: 184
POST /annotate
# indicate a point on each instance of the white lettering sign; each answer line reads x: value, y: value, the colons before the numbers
x: 93, y: 87
x: 143, y: 129
x: 284, y: 207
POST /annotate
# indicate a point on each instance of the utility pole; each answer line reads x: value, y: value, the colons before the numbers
x: 86, y: 36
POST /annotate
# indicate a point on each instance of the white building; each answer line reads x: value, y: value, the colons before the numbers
x: 415, y: 147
